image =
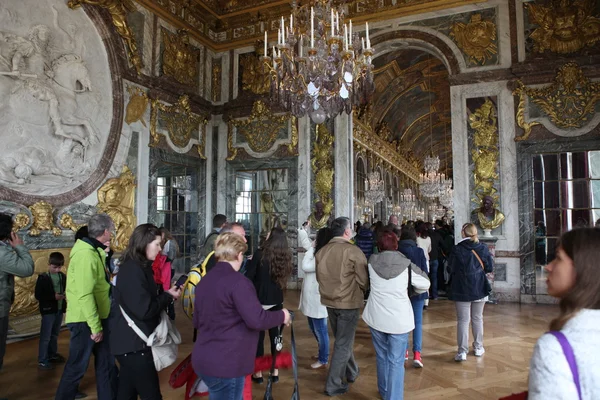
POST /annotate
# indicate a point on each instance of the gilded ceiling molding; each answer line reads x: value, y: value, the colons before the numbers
x: 564, y: 26
x: 477, y: 39
x: 181, y: 123
x: 138, y: 102
x: 485, y: 154
x: 118, y: 10
x: 569, y: 102
x: 117, y: 199
x: 322, y: 166
x: 387, y: 152
x: 180, y: 59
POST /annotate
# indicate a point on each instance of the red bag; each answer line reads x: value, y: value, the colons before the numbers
x: 517, y: 396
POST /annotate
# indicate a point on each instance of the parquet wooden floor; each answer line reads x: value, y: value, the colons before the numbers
x: 511, y: 331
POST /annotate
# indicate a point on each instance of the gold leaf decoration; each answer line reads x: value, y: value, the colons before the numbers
x: 322, y: 166
x: 477, y: 39
x: 43, y: 219
x: 485, y: 155
x: 180, y: 59
x: 137, y: 105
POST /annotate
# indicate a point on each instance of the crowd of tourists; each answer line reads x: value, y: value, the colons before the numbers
x: 384, y: 274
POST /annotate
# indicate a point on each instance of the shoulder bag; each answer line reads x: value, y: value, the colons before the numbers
x: 164, y: 341
x: 487, y: 284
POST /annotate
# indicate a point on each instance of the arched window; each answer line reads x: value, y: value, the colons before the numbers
x: 361, y: 176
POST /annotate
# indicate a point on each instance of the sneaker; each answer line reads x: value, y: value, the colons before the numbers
x: 479, y: 352
x: 45, y: 365
x: 417, y: 363
x: 57, y: 358
x: 460, y: 357
x: 406, y: 356
x: 317, y: 365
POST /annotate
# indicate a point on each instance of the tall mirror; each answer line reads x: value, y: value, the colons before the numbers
x: 566, y: 195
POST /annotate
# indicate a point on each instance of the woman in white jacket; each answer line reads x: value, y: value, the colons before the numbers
x: 310, y: 299
x: 389, y: 313
x: 573, y: 278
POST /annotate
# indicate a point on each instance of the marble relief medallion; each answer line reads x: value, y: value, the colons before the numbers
x: 56, y: 98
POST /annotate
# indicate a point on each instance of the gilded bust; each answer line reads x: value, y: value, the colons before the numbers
x: 319, y: 218
x: 489, y: 217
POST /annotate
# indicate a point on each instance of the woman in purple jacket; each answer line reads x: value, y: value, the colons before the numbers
x: 228, y: 317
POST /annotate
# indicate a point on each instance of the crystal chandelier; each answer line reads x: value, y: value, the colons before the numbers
x: 446, y: 198
x: 431, y: 179
x: 374, y: 192
x: 407, y: 201
x: 436, y: 211
x: 319, y: 66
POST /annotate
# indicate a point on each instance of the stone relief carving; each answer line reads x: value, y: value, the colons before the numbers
x: 55, y: 101
x: 43, y: 219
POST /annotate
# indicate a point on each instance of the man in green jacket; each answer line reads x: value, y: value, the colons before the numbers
x: 87, y: 314
x: 15, y: 260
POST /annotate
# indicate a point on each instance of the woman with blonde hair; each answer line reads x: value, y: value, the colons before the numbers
x: 566, y: 361
x: 229, y: 317
x: 468, y: 265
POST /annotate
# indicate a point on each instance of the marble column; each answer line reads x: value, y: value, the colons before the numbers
x: 344, y: 172
x: 304, y: 181
x: 208, y: 187
x: 221, y: 166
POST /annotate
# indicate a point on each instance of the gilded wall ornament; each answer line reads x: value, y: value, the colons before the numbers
x: 42, y: 219
x: 569, y: 102
x: 66, y: 221
x: 564, y: 26
x: 21, y: 221
x: 216, y: 80
x: 180, y: 123
x: 485, y: 154
x: 254, y: 79
x: 138, y: 102
x: 477, y: 39
x: 322, y: 166
x: 180, y: 59
x: 116, y: 197
x: 262, y: 129
x: 118, y: 10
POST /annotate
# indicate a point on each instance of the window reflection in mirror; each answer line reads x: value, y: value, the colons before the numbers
x: 566, y: 195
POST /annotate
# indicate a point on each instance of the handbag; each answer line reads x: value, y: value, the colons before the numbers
x: 569, y: 355
x: 411, y: 290
x: 164, y: 341
x: 487, y: 284
x: 269, y: 389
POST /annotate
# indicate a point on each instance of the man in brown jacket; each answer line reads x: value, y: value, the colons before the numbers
x: 343, y: 277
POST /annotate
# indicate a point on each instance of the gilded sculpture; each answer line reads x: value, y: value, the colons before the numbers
x: 43, y: 219
x: 118, y: 10
x: 254, y: 79
x: 564, y: 26
x: 117, y: 199
x: 569, y: 102
x: 262, y: 129
x: 138, y: 102
x: 322, y: 166
x: 21, y: 221
x: 180, y: 59
x: 66, y: 221
x: 477, y: 39
x: 485, y: 157
x: 216, y: 80
x: 180, y: 123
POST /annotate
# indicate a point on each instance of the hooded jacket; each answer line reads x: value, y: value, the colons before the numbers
x: 467, y: 276
x: 14, y: 261
x: 388, y: 308
x: 87, y: 288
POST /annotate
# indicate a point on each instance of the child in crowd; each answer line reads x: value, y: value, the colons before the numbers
x: 50, y: 292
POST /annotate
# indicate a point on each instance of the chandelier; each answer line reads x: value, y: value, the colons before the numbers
x: 431, y: 180
x: 374, y: 192
x: 407, y: 201
x: 436, y: 211
x: 446, y: 198
x: 319, y: 66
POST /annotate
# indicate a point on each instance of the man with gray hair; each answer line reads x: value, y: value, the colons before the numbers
x: 234, y: 227
x: 87, y: 314
x: 343, y: 277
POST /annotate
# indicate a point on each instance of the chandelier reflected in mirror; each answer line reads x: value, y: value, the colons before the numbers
x: 407, y: 201
x: 319, y: 66
x: 374, y: 188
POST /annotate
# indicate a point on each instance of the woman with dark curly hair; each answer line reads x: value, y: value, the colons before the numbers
x: 273, y: 265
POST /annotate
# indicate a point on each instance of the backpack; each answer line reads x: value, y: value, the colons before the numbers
x: 188, y: 295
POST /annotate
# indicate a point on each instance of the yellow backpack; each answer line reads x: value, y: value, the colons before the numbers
x: 189, y: 288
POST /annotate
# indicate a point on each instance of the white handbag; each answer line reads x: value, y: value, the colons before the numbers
x: 164, y: 341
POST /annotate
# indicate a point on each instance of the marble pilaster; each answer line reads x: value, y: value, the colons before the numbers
x: 304, y: 175
x: 344, y: 168
x: 221, y: 165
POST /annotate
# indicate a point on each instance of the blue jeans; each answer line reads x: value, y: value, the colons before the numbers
x: 433, y: 277
x: 224, y: 388
x: 81, y: 348
x: 417, y: 306
x: 318, y: 327
x: 389, y: 354
x: 49, y: 331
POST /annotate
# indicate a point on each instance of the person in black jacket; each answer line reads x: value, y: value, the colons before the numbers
x: 469, y: 263
x: 50, y: 293
x: 136, y: 294
x: 273, y: 266
x: 434, y: 257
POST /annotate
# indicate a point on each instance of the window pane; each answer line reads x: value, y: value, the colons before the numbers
x: 549, y: 167
x: 546, y: 195
x: 575, y: 194
x: 594, y: 163
x: 552, y: 220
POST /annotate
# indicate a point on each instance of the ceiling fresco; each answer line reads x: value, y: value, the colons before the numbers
x: 413, y: 94
x: 227, y: 24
